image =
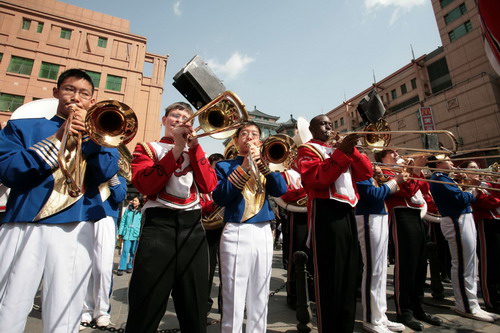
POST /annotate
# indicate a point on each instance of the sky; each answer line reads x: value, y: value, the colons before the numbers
x: 283, y: 57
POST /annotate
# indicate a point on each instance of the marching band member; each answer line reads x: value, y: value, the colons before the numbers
x: 39, y: 240
x: 213, y: 230
x: 97, y: 301
x: 373, y: 234
x: 294, y: 201
x: 329, y: 175
x: 486, y: 212
x: 246, y: 246
x: 406, y: 207
x: 458, y: 228
x: 172, y: 255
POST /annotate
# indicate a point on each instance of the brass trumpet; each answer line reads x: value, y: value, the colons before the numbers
x: 108, y: 123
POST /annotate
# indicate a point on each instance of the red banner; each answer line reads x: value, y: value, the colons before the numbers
x: 427, y: 119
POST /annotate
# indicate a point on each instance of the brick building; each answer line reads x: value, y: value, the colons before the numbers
x: 41, y: 39
x: 454, y: 87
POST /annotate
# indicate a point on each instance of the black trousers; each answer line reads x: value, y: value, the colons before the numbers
x: 172, y: 257
x: 488, y: 249
x: 336, y: 255
x: 297, y: 242
x: 213, y: 240
x: 410, y: 268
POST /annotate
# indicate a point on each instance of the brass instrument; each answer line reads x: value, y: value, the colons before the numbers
x: 230, y: 151
x: 253, y: 170
x: 378, y: 135
x: 279, y: 151
x: 108, y: 123
x: 220, y: 117
x: 214, y: 220
x: 397, y: 168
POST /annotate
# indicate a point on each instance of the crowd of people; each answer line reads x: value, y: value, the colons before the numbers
x: 199, y: 212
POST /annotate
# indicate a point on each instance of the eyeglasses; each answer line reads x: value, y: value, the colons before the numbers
x: 176, y: 115
x: 71, y: 90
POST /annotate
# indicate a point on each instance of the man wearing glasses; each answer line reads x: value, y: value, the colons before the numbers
x: 38, y: 239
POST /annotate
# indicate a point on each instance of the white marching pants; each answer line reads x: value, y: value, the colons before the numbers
x: 246, y: 256
x: 99, y: 290
x: 461, y: 237
x: 61, y: 253
x: 373, y: 235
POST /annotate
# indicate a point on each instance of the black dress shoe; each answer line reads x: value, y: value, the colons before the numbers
x: 429, y: 319
x: 409, y: 321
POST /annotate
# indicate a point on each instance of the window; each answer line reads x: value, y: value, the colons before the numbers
x: 455, y: 13
x: 460, y: 31
x: 114, y: 83
x: 336, y: 124
x: 394, y: 95
x: 65, y: 33
x: 439, y: 75
x: 444, y: 3
x: 102, y: 42
x: 413, y: 83
x: 49, y: 71
x: 26, y: 24
x: 39, y: 27
x: 95, y: 76
x: 10, y: 102
x: 342, y: 121
x: 1, y: 57
x: 403, y: 89
x: 20, y: 65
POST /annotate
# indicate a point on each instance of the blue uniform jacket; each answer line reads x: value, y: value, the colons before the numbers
x: 229, y: 196
x: 371, y: 197
x: 118, y: 194
x: 450, y: 200
x: 28, y: 156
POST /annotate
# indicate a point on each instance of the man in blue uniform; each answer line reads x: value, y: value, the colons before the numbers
x: 457, y: 224
x: 246, y: 246
x: 45, y: 232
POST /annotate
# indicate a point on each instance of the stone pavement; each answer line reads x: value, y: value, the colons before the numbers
x: 281, y: 318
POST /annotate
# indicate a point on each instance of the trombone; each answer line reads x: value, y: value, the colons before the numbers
x: 220, y: 117
x: 378, y: 136
x: 389, y: 166
x: 108, y: 123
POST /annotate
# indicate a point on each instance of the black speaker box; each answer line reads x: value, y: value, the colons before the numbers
x: 197, y: 83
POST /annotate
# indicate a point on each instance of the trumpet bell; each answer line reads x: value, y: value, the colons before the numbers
x: 221, y: 117
x: 279, y: 151
x: 111, y: 123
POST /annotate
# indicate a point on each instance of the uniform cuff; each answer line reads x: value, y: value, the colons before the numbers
x: 263, y: 169
x: 48, y: 150
x: 393, y: 185
x: 239, y: 177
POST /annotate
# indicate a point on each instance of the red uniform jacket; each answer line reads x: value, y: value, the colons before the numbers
x: 319, y: 174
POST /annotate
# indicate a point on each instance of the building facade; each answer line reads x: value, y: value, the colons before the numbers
x: 453, y: 88
x: 41, y: 39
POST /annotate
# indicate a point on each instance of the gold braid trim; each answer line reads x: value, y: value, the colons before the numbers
x: 314, y: 150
